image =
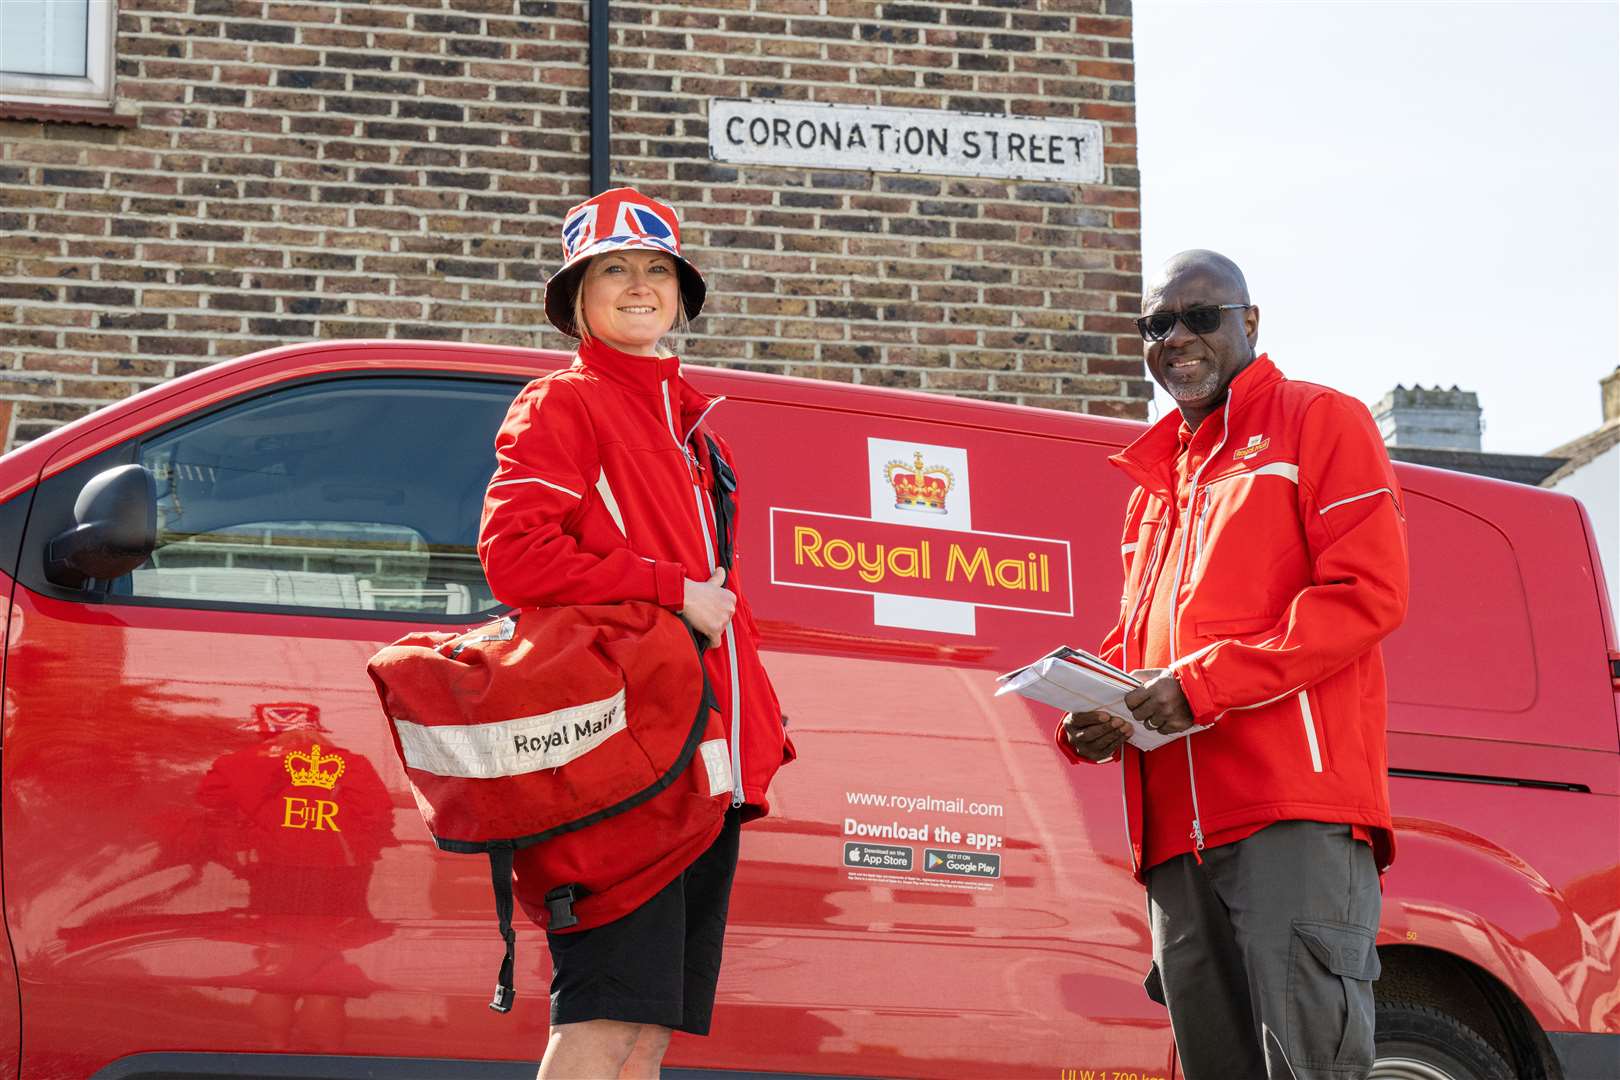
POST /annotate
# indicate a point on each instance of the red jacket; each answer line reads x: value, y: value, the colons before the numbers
x: 1290, y: 569
x: 602, y: 493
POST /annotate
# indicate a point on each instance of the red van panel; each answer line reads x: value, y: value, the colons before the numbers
x: 936, y: 893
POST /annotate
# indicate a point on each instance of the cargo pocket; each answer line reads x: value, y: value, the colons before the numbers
x: 1154, y: 985
x: 1331, y: 968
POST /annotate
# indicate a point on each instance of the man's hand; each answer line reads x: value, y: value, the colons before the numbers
x: 1159, y: 703
x: 707, y: 606
x: 1096, y: 735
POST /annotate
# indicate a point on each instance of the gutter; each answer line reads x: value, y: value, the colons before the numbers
x: 600, y: 150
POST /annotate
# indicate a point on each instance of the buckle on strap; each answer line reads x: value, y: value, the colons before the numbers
x: 560, y: 907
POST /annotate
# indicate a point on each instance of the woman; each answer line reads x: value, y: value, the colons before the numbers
x: 603, y: 493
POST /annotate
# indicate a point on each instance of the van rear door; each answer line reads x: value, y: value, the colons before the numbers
x: 1505, y: 639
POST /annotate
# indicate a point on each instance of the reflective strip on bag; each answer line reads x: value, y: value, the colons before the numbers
x: 511, y: 747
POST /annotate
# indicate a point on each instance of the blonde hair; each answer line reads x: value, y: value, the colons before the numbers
x: 682, y: 325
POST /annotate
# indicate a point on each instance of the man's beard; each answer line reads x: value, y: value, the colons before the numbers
x: 1199, y: 389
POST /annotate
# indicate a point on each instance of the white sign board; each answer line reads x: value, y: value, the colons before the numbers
x: 905, y: 140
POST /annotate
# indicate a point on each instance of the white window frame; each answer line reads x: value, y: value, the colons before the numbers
x: 94, y: 89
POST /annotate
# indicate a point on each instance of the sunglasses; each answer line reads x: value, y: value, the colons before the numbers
x: 1200, y: 320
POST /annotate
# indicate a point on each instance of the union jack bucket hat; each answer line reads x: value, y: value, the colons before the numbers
x: 619, y: 219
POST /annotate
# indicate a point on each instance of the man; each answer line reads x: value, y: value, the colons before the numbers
x: 1265, y: 558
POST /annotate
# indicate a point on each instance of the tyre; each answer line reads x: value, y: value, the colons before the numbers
x: 1417, y: 1042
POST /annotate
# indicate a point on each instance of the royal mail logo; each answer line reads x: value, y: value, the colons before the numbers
x: 925, y: 573
x: 313, y: 769
x: 917, y: 486
x: 1255, y: 444
x: 985, y: 569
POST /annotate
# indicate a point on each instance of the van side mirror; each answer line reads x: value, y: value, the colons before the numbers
x: 116, y: 530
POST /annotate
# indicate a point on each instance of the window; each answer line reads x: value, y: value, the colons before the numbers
x: 57, y: 52
x: 354, y: 495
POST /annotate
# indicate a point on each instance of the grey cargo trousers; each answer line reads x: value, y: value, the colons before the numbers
x: 1264, y: 954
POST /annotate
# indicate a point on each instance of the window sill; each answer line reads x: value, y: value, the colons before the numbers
x: 96, y: 115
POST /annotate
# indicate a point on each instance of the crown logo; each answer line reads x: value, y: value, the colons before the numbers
x: 313, y: 769
x: 919, y: 487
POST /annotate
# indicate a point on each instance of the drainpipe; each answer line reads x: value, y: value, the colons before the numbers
x: 600, y: 172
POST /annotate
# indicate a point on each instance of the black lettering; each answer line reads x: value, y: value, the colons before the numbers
x: 759, y: 132
x: 832, y: 135
x: 912, y: 145
x: 1037, y: 151
x: 731, y: 134
x: 779, y: 131
x: 856, y: 137
x: 938, y: 142
x: 882, y: 133
x: 1078, y: 142
x: 1015, y: 146
x: 970, y: 139
x: 805, y: 142
x: 995, y: 143
x: 1054, y: 149
x: 520, y: 743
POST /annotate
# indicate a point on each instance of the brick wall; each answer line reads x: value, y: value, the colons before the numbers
x: 396, y: 169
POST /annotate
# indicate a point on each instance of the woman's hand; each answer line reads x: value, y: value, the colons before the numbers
x: 708, y: 606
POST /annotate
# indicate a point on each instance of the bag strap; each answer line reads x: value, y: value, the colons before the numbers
x: 725, y: 503
x: 500, y: 874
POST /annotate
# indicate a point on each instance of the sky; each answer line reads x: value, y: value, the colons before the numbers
x: 1418, y: 192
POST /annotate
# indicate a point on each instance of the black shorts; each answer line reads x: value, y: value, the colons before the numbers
x: 658, y: 964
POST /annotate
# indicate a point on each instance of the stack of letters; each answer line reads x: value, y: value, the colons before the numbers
x: 1077, y: 681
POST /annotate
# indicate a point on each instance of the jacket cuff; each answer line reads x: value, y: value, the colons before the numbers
x: 669, y: 582
x: 1070, y: 753
x: 1063, y: 744
x: 1196, y: 690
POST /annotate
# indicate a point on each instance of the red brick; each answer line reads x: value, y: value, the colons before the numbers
x: 352, y: 220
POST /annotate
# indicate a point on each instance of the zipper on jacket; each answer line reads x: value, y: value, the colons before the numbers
x: 1189, y: 521
x: 1130, y: 614
x: 1197, y: 833
x: 1124, y: 662
x: 706, y: 410
x: 731, y: 661
x: 726, y: 635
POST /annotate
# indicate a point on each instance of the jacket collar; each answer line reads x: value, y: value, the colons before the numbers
x: 1150, y: 460
x: 643, y: 374
x: 647, y: 376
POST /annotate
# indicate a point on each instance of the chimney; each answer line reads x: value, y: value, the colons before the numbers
x: 1611, y: 395
x: 1436, y: 419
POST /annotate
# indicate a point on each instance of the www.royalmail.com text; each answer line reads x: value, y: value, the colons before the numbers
x: 910, y: 803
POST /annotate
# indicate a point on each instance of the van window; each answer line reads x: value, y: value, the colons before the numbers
x: 356, y: 495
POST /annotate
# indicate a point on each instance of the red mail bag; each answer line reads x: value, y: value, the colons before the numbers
x: 577, y: 747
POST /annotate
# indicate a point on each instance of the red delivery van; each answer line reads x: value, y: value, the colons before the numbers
x: 212, y: 864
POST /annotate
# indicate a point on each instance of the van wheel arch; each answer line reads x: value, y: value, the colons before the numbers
x: 1420, y: 978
